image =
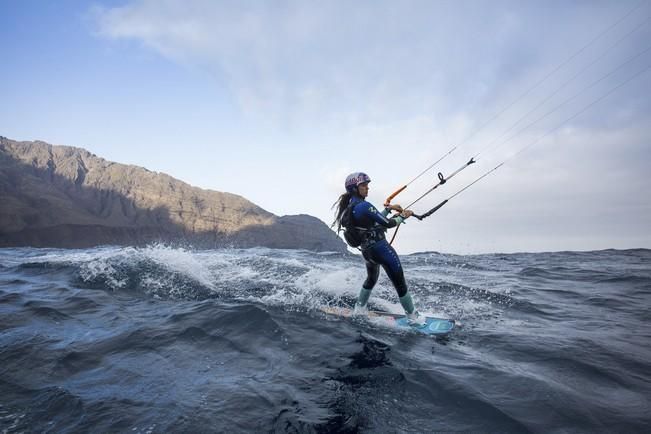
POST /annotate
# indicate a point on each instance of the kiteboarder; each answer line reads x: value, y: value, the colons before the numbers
x: 364, y: 227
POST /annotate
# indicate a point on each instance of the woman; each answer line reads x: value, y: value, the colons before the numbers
x: 364, y: 227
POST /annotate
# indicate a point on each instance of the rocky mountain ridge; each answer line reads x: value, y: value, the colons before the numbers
x: 61, y: 196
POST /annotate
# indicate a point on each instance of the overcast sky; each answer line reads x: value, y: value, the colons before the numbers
x: 278, y: 101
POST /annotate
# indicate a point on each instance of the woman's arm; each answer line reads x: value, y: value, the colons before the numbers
x: 372, y: 213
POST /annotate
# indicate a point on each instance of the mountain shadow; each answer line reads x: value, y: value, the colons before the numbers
x: 60, y: 196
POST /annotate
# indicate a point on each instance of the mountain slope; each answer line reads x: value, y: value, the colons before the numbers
x: 62, y: 196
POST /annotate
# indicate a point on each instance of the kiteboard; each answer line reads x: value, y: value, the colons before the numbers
x: 432, y: 326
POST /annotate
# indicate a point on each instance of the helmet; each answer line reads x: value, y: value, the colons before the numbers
x: 354, y: 179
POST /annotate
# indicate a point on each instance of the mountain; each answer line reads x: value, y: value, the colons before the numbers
x: 61, y: 196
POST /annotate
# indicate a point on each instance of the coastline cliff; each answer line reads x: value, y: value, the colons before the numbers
x: 61, y: 196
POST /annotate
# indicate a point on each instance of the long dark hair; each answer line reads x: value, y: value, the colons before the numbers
x: 340, y: 206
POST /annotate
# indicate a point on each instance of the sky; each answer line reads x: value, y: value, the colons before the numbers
x: 278, y: 101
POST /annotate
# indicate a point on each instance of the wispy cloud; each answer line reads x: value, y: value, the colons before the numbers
x: 350, y: 62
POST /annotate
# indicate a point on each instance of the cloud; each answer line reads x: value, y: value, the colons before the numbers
x: 369, y: 61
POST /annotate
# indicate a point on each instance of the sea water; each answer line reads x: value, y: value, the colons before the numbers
x: 164, y: 339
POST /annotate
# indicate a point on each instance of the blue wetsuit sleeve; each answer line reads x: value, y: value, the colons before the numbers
x: 372, y: 213
x: 399, y: 219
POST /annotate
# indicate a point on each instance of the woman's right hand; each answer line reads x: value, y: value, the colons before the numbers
x: 407, y: 213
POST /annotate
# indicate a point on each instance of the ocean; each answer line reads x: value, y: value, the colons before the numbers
x: 165, y: 339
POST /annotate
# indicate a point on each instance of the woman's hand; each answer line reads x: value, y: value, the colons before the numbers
x: 407, y: 213
x: 395, y: 208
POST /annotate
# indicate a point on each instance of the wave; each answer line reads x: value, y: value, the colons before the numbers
x: 170, y: 339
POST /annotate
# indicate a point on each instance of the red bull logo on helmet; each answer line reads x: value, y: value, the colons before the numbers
x: 354, y: 179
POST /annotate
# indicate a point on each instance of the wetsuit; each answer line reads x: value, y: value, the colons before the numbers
x: 375, y: 248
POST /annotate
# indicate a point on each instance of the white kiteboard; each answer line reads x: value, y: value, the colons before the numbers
x: 433, y: 326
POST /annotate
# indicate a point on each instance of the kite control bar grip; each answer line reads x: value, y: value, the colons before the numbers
x: 394, y: 194
x: 432, y: 211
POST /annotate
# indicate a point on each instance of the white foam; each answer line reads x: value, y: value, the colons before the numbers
x: 294, y: 279
x: 181, y: 261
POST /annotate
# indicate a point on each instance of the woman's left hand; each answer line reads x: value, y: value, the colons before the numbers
x: 395, y: 208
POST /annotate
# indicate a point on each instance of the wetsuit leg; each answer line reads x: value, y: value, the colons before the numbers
x: 372, y: 273
x: 385, y: 255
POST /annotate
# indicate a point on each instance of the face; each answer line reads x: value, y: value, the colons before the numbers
x: 362, y: 189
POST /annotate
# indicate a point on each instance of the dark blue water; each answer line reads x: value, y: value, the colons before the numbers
x: 170, y: 340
